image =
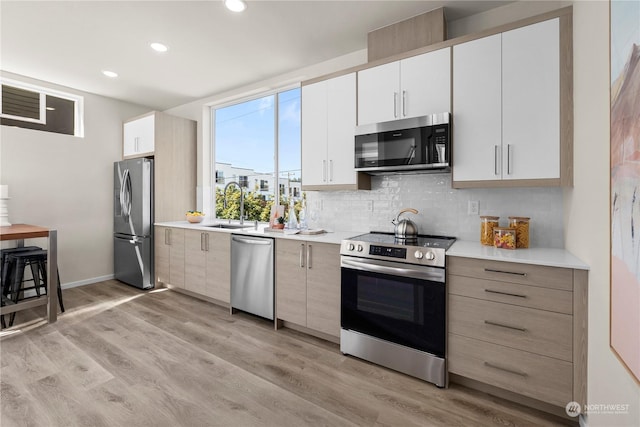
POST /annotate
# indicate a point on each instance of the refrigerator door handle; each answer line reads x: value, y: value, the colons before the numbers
x: 125, y: 193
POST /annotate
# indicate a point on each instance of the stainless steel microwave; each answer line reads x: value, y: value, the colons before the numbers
x: 414, y: 144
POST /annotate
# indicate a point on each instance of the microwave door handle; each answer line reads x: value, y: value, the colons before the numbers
x: 412, y: 154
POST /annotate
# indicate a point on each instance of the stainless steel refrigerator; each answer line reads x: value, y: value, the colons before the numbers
x: 133, y: 222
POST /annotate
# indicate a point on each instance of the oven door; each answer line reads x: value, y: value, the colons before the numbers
x: 400, y: 303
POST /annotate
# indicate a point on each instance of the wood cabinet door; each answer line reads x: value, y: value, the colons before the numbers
x: 477, y: 106
x: 161, y: 254
x: 314, y: 134
x: 139, y: 137
x: 194, y: 261
x: 425, y: 84
x: 341, y: 113
x: 218, y: 277
x: 176, y: 257
x: 531, y: 101
x: 379, y: 94
x: 323, y: 288
x: 291, y: 290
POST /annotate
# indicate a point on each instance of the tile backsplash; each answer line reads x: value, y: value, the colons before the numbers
x: 442, y: 209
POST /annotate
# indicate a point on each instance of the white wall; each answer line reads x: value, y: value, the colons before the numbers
x: 65, y: 183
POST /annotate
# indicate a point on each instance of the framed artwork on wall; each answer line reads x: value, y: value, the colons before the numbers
x: 625, y: 183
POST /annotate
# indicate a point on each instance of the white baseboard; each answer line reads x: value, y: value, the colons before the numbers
x: 86, y: 281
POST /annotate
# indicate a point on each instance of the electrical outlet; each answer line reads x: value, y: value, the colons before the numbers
x: 369, y: 206
x: 473, y: 208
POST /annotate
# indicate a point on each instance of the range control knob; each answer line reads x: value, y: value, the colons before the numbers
x: 418, y: 254
x: 351, y: 246
x: 360, y: 248
x: 430, y: 256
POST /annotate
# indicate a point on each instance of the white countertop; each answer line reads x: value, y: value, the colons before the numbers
x: 550, y: 257
x: 328, y: 237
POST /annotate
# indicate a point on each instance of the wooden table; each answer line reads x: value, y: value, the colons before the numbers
x: 19, y: 232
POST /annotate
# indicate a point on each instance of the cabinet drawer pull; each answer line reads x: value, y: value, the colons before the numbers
x: 206, y: 242
x: 511, y: 371
x: 491, y: 270
x: 515, y: 328
x: 202, y: 247
x: 404, y: 103
x: 491, y: 291
x: 301, y: 255
x: 495, y: 160
x: 309, y: 257
x: 395, y: 104
x: 508, y: 159
x: 167, y: 236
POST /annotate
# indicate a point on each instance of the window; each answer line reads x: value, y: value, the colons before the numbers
x: 246, y: 137
x: 32, y: 107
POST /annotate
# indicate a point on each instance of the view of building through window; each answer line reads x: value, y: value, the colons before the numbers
x: 245, y: 145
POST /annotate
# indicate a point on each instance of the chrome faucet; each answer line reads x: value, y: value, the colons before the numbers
x: 224, y: 204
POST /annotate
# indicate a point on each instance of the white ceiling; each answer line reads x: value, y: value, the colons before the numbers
x: 210, y: 48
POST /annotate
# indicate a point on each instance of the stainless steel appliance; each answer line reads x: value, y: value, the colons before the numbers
x: 393, y: 309
x: 252, y: 275
x: 414, y: 144
x: 133, y: 222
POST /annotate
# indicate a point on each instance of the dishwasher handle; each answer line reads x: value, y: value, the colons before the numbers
x: 251, y: 241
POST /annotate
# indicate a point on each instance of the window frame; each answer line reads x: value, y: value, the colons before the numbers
x: 78, y: 101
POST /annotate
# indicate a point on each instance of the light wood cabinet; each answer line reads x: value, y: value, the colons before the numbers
x: 308, y: 285
x: 328, y: 122
x: 169, y: 255
x: 411, y: 87
x: 207, y: 264
x: 172, y: 142
x: 519, y: 327
x: 507, y: 91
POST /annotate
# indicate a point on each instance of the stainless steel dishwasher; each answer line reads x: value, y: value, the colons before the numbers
x: 252, y: 278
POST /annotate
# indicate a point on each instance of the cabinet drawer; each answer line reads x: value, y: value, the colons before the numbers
x: 539, y: 377
x: 524, y: 274
x: 537, y: 331
x: 512, y: 293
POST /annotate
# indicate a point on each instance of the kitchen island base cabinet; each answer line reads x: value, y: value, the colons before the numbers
x: 308, y: 287
x: 519, y: 328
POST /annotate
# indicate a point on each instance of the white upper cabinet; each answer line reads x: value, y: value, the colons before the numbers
x: 139, y: 137
x: 531, y: 102
x: 506, y: 106
x: 328, y: 124
x: 477, y: 106
x: 411, y: 87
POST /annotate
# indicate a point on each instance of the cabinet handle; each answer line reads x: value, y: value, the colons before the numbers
x: 206, y: 242
x: 324, y: 171
x: 331, y: 170
x: 491, y: 270
x: 309, y: 257
x: 395, y: 104
x: 515, y: 328
x: 404, y: 103
x: 508, y: 159
x: 167, y: 236
x: 202, y: 242
x: 136, y: 147
x: 495, y: 160
x: 301, y: 255
x: 491, y: 291
x: 511, y: 371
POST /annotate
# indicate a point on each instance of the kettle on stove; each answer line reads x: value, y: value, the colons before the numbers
x: 405, y: 228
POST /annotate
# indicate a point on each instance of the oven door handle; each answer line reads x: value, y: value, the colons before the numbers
x: 436, y: 276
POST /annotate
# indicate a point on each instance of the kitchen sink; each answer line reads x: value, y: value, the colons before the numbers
x: 229, y: 226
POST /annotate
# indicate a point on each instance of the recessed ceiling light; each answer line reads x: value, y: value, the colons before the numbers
x: 111, y: 74
x: 159, y: 47
x: 235, y: 5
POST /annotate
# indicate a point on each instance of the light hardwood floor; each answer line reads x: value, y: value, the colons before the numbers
x: 123, y: 357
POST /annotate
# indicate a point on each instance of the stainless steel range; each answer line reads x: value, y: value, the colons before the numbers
x: 393, y: 309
